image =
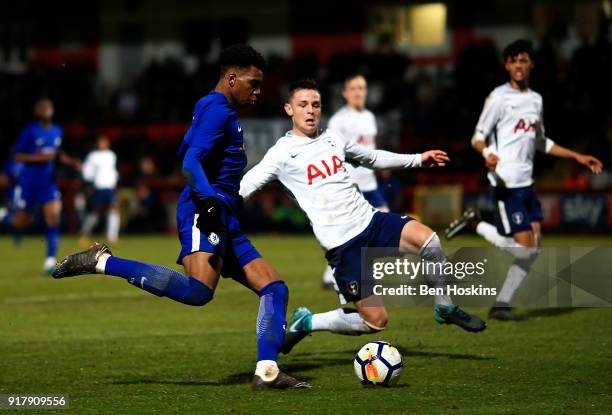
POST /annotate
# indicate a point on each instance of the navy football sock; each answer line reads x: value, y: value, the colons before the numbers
x: 271, y: 320
x: 52, y: 235
x: 161, y: 281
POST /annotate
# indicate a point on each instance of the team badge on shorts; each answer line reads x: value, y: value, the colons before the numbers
x: 213, y: 239
x: 517, y: 217
x: 352, y: 287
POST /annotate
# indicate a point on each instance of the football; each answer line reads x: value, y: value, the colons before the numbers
x: 378, y: 363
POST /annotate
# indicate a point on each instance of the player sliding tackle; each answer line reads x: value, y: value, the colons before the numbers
x: 512, y: 120
x: 212, y: 243
x: 310, y: 163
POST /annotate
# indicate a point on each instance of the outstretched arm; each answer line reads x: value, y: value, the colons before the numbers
x: 548, y: 146
x: 73, y: 162
x: 586, y: 160
x: 381, y: 159
x: 261, y: 174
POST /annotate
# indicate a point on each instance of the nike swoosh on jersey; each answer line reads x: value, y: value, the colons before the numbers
x: 240, y: 128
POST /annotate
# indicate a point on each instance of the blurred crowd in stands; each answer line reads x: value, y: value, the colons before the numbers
x: 424, y: 109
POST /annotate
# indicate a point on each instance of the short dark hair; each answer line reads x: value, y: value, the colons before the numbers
x: 352, y: 76
x: 240, y: 56
x: 517, y: 47
x: 306, y: 83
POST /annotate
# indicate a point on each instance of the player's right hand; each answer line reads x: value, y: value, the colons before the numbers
x: 491, y: 161
x: 209, y: 219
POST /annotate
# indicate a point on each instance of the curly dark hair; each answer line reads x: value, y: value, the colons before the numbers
x: 517, y: 47
x: 242, y: 57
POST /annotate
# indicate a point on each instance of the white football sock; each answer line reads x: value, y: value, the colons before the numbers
x: 267, y: 370
x: 489, y: 232
x: 328, y: 275
x: 432, y: 254
x: 342, y: 321
x: 514, y: 278
x: 504, y: 243
x: 112, y: 226
x: 89, y: 223
x: 101, y: 264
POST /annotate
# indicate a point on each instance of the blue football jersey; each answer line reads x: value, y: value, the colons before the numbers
x: 36, y: 139
x: 212, y: 150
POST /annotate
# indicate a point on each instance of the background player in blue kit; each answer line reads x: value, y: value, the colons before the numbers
x: 213, y: 160
x: 37, y: 147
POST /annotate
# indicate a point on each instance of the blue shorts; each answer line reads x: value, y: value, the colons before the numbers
x: 515, y: 209
x: 232, y: 245
x: 27, y: 195
x: 375, y: 198
x: 384, y: 231
x: 103, y: 198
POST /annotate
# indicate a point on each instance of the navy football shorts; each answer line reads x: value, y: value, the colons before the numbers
x: 384, y: 231
x: 515, y: 209
x: 232, y: 244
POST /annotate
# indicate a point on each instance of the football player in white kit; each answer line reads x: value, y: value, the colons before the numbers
x: 100, y: 169
x: 311, y: 164
x: 513, y: 124
x: 358, y: 125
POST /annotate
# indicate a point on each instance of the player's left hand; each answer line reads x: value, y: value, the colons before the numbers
x: 434, y: 158
x: 591, y: 162
x: 209, y: 219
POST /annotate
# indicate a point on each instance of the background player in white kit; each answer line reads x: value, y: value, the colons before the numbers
x: 512, y: 121
x: 311, y: 164
x: 358, y: 125
x: 100, y: 169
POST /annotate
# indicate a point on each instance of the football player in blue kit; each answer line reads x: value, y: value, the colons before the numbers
x: 212, y: 243
x: 37, y: 149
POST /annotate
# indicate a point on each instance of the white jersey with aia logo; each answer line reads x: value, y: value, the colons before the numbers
x: 358, y: 127
x: 512, y: 121
x: 314, y: 170
x: 100, y: 168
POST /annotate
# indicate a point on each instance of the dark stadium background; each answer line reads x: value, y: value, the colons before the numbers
x: 133, y: 69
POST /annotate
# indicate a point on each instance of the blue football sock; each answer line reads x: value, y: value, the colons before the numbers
x: 271, y: 320
x: 161, y: 281
x: 52, y: 235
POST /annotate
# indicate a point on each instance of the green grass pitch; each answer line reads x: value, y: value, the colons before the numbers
x: 115, y: 349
